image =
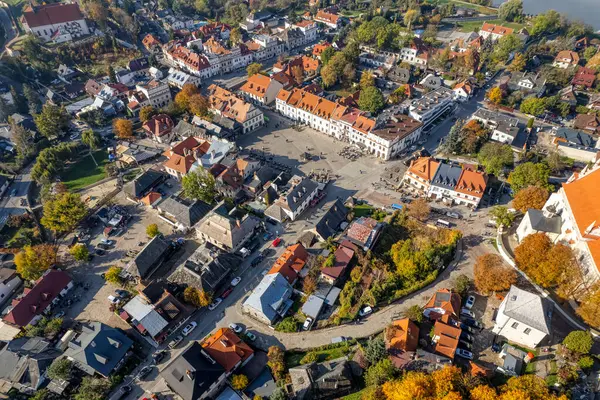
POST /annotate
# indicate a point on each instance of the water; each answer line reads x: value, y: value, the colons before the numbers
x: 587, y: 11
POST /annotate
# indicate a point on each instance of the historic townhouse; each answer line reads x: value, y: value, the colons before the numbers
x: 264, y: 47
x: 225, y: 103
x: 187, y: 60
x: 226, y: 60
x: 261, y: 89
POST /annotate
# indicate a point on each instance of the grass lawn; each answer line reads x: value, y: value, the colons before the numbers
x: 84, y: 172
x: 292, y: 359
x: 362, y: 210
x: 552, y: 378
x: 471, y: 26
x: 354, y: 396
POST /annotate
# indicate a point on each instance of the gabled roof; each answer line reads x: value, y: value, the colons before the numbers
x: 584, y: 77
x: 402, y: 335
x: 529, y: 309
x: 540, y: 223
x: 362, y: 230
x: 52, y: 14
x: 446, y: 338
x: 257, y: 85
x: 497, y: 29
x: 35, y: 301
x: 424, y: 167
x: 581, y: 194
x: 343, y: 256
x: 323, y: 16
x: 149, y: 257
x: 290, y: 262
x: 206, y: 270
x: 446, y: 300
x: 146, y: 317
x: 568, y: 56
x: 328, y: 224
x: 227, y: 349
x: 472, y: 183
x: 140, y: 185
x: 447, y: 176
x: 186, y: 212
x: 271, y: 297
x: 23, y: 361
x: 159, y: 125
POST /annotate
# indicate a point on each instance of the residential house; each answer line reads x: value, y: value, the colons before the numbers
x: 535, y: 221
x: 224, y: 231
x: 227, y: 349
x: 184, y: 130
x: 566, y: 59
x: 193, y: 374
x: 23, y: 364
x: 291, y: 204
x: 178, y: 78
x: 514, y: 360
x: 334, y: 214
x: 319, y: 48
x: 446, y: 336
x: 505, y: 129
x: 330, y: 20
x: 206, y: 269
x: 420, y: 173
x: 584, y: 77
x: 143, y: 184
x: 398, y: 75
x: 589, y: 123
x: 443, y: 302
x: 431, y: 82
x: 575, y: 144
x: 9, y: 283
x: 34, y: 302
x: 290, y: 263
x: 255, y: 20
x: 215, y: 29
x: 401, y: 341
x: 364, y: 232
x: 524, y: 318
x: 431, y: 106
x: 152, y: 44
x: 150, y: 257
x: 230, y: 180
x: 470, y: 188
x: 342, y: 258
x: 157, y: 93
x: 187, y: 60
x: 463, y: 91
x: 494, y: 31
x: 97, y: 348
x: 568, y: 95
x: 159, y: 128
x: 327, y: 380
x: 270, y: 300
x: 528, y: 83
x: 261, y: 89
x: 255, y: 183
x: 181, y: 157
x: 223, y: 102
x: 92, y: 87
x: 444, y: 182
x: 182, y: 213
x: 58, y: 22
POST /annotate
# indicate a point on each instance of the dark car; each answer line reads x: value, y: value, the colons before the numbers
x: 103, y: 246
x: 467, y: 328
x: 158, y: 356
x: 144, y: 372
x: 256, y: 261
x: 272, y: 222
x: 471, y: 322
x: 267, y: 252
x: 100, y: 252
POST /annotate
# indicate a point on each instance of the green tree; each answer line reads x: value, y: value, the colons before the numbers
x: 367, y: 80
x: 254, y: 69
x: 506, y: 45
x: 235, y: 36
x: 375, y: 350
x: 309, y: 357
x: 585, y: 362
x: 52, y: 120
x: 113, y: 275
x: 579, y: 342
x: 110, y: 71
x: 278, y: 394
x: 41, y: 394
x: 533, y: 106
x: 546, y: 23
x: 461, y: 284
x: 146, y: 113
x: 152, y: 230
x: 92, y: 389
x: 328, y: 75
x: 511, y: 11
x: 589, y: 53
x: 23, y: 139
x: 502, y: 216
x: 80, y: 252
x: 5, y: 110
x: 371, y: 100
x: 494, y: 157
x: 20, y: 102
x: 60, y: 369
x: 326, y: 55
x: 414, y: 313
x: 518, y: 63
x: 200, y: 184
x: 530, y: 174
x: 63, y: 213
x: 380, y: 373
x: 92, y: 141
x: 32, y: 261
x: 288, y: 324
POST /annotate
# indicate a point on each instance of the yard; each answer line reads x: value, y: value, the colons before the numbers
x: 85, y: 172
x: 471, y: 26
x: 331, y: 352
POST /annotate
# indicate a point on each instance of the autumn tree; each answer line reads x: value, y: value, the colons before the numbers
x: 254, y: 69
x: 414, y: 313
x: 239, y: 381
x: 309, y: 285
x: 197, y: 297
x: 146, y: 113
x: 80, y: 252
x: 495, y: 95
x: 518, y: 63
x: 328, y: 75
x: 182, y: 99
x: 419, y: 209
x: 276, y: 361
x: 366, y: 80
x: 491, y: 275
x: 113, y: 275
x: 532, y: 250
x: 152, y: 230
x: 235, y: 36
x: 63, y: 213
x: 589, y: 309
x: 483, y: 392
x: 410, y: 17
x: 371, y: 100
x: 123, y: 128
x: 199, y: 105
x: 532, y: 197
x: 33, y: 261
x: 579, y: 342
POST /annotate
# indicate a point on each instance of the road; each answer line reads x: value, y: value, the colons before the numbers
x: 15, y: 200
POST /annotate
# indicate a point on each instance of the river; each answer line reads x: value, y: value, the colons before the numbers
x: 587, y: 11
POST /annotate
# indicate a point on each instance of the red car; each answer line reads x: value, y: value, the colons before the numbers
x: 226, y: 293
x: 276, y: 242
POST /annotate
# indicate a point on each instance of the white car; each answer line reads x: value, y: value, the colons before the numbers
x: 189, y: 328
x: 236, y: 281
x: 470, y: 302
x: 236, y: 328
x: 365, y: 311
x: 467, y: 312
x: 264, y: 272
x: 113, y: 299
x: 107, y: 242
x: 215, y: 303
x: 464, y: 354
x: 307, y: 324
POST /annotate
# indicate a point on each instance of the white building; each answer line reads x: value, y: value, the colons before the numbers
x: 432, y: 105
x: 495, y: 31
x: 291, y: 204
x: 261, y: 89
x: 156, y: 92
x: 264, y: 47
x: 223, y: 102
x: 9, y: 282
x: 523, y: 318
x: 177, y: 78
x: 58, y: 22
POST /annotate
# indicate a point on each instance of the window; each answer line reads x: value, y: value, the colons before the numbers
x: 514, y: 325
x: 527, y: 331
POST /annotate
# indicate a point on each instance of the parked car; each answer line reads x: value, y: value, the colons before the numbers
x: 159, y: 355
x: 215, y: 303
x: 144, y: 372
x: 103, y: 246
x: 236, y: 281
x: 99, y: 252
x: 365, y: 311
x: 189, y: 328
x: 339, y: 339
x: 470, y: 302
x: 122, y: 293
x: 175, y: 342
x: 267, y: 236
x: 464, y: 344
x: 113, y: 299
x: 472, y: 323
x: 466, y: 337
x: 236, y: 328
x: 267, y: 252
x: 226, y: 293
x: 256, y: 261
x: 276, y: 242
x: 307, y: 323
x: 464, y: 354
x: 251, y: 336
x: 466, y: 312
x: 107, y: 242
x: 59, y: 314
x: 467, y: 328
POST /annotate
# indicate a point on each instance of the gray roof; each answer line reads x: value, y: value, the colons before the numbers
x: 149, y: 257
x: 224, y: 229
x: 541, y: 223
x: 275, y: 212
x: 98, y: 348
x: 302, y: 189
x: 447, y: 176
x: 185, y: 129
x: 529, y: 309
x: 146, y: 315
x: 576, y: 137
x: 23, y: 361
x: 186, y: 212
x: 271, y: 297
x: 312, y: 306
x: 205, y: 269
x: 192, y: 372
x: 143, y: 183
x: 335, y: 214
x: 494, y: 117
x: 432, y: 82
x: 398, y: 74
x: 323, y: 380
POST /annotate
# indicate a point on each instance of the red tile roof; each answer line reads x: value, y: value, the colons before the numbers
x: 52, y: 14
x: 497, y: 29
x: 446, y: 300
x: 361, y: 229
x: 227, y: 349
x: 424, y: 168
x: 584, y: 77
x: 402, y: 335
x: 291, y: 262
x: 472, y: 183
x: 323, y: 16
x: 343, y: 256
x: 446, y: 338
x: 159, y: 125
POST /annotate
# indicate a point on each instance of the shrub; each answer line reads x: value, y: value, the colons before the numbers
x: 579, y: 341
x: 289, y: 325
x: 309, y: 358
x: 585, y: 362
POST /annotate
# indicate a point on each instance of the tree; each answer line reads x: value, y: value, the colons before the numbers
x: 254, y: 69
x: 494, y: 157
x: 20, y: 102
x: 532, y: 251
x: 182, y: 99
x: 278, y: 394
x: 483, y: 392
x: 23, y: 139
x: 375, y: 350
x: 531, y: 197
x: 199, y: 184
x: 410, y: 17
x: 60, y: 369
x: 110, y: 71
x: 146, y: 113
x: 414, y: 385
x: 502, y: 216
x: 63, y: 213
x: 199, y: 105
x: 41, y: 394
x: 589, y: 53
x: 197, y: 297
x: 5, y: 110
x: 328, y: 75
x: 548, y: 22
x: 123, y: 128
x: 276, y: 361
x: 288, y: 325
x: 518, y: 63
x: 235, y: 36
x: 152, y: 230
x: 239, y: 381
x: 506, y: 45
x: 92, y: 140
x: 589, y: 309
x: 309, y: 285
x: 419, y: 209
x: 579, y: 342
x: 415, y: 313
x: 511, y: 11
x: 371, y: 100
x: 113, y: 275
x: 33, y: 261
x: 367, y: 80
x: 533, y: 106
x: 461, y: 284
x: 92, y: 389
x: 495, y: 95
x: 491, y: 275
x: 33, y: 99
x: 52, y: 120
x: 80, y: 252
x: 529, y: 174
x: 327, y: 54
x: 380, y: 373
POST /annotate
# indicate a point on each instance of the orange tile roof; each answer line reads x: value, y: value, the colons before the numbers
x: 326, y: 17
x: 364, y: 124
x: 446, y: 300
x: 424, y: 167
x: 181, y: 164
x: 403, y: 335
x: 319, y: 48
x: 594, y: 247
x: 581, y: 194
x: 304, y: 23
x: 284, y: 95
x: 213, y: 46
x: 310, y: 64
x: 228, y: 103
x: 150, y: 41
x: 151, y: 198
x: 251, y: 45
x: 567, y: 56
x: 472, y: 183
x: 464, y: 85
x: 257, y: 85
x: 497, y: 29
x: 227, y: 349
x: 447, y: 338
x: 291, y: 262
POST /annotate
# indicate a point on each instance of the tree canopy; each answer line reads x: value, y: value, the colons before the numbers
x: 495, y: 157
x: 491, y: 275
x: 371, y: 100
x: 123, y: 128
x: 63, y: 213
x: 33, y: 261
x: 531, y: 197
x: 530, y: 174
x: 579, y: 341
x: 200, y: 184
x: 52, y: 120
